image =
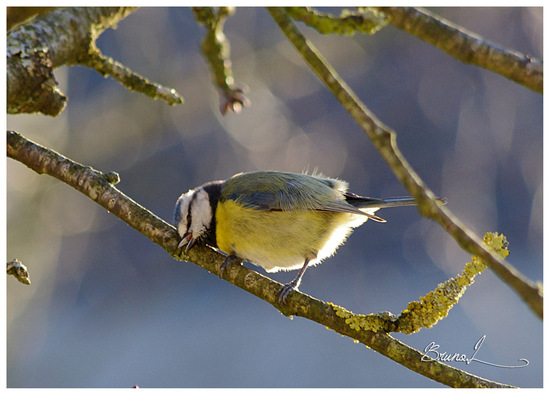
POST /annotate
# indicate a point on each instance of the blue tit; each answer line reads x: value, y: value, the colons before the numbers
x: 276, y: 220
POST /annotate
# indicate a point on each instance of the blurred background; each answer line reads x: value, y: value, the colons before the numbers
x: 107, y: 308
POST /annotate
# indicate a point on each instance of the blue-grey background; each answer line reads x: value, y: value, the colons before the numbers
x: 107, y: 308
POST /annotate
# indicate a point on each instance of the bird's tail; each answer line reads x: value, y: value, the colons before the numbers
x: 397, y: 202
x: 362, y: 202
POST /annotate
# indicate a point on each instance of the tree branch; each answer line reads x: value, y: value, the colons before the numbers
x: 215, y: 47
x: 94, y: 184
x: 65, y: 36
x: 98, y: 187
x: 468, y: 47
x: 365, y: 20
x: 19, y: 271
x: 385, y: 141
x: 108, y: 67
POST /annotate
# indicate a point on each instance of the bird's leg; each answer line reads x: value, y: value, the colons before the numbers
x: 228, y: 261
x: 293, y: 285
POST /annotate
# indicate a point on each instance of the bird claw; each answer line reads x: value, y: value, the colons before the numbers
x: 293, y: 285
x: 228, y: 261
x: 286, y: 290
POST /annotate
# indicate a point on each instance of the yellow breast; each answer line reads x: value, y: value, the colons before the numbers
x: 281, y: 240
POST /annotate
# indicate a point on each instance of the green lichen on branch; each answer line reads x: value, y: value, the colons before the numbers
x: 215, y: 47
x: 430, y: 308
x: 365, y: 20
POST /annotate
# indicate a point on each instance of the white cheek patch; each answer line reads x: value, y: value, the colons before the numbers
x: 182, y: 208
x: 201, y: 213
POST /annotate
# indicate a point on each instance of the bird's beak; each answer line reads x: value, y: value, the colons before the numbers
x: 187, y: 239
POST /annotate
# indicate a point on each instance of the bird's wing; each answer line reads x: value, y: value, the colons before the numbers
x: 276, y: 191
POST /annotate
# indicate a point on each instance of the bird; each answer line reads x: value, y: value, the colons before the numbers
x: 275, y: 220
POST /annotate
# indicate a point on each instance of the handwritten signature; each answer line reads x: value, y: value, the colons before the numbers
x: 431, y: 353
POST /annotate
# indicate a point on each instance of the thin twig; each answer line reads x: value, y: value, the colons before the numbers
x: 468, y: 47
x: 216, y: 49
x: 109, y: 67
x: 385, y: 141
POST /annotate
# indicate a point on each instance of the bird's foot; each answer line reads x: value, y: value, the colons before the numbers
x: 286, y: 290
x: 231, y: 259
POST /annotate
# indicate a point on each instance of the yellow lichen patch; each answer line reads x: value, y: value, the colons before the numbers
x: 436, y: 305
x: 371, y: 322
x: 432, y: 307
x: 498, y: 243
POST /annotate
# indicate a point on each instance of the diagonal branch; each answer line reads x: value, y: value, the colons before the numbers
x: 385, y: 141
x: 94, y: 184
x: 99, y: 187
x: 467, y: 47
